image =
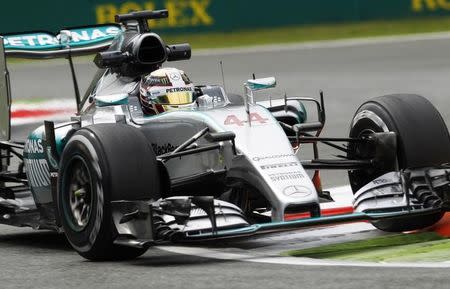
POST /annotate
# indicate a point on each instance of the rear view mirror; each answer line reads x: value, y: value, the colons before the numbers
x: 256, y: 84
x: 261, y: 83
x: 5, y: 97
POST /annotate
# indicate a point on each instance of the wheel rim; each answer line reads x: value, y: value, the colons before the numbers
x: 78, y: 195
x: 371, y: 123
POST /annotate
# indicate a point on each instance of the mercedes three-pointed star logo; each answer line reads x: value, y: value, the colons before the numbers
x: 297, y: 191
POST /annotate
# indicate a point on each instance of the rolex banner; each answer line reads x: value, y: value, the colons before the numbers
x: 196, y: 16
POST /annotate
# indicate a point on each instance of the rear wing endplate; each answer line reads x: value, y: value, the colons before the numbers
x: 76, y: 41
x: 5, y: 97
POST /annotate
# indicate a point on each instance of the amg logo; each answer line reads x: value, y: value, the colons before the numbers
x: 281, y: 165
x: 37, y: 172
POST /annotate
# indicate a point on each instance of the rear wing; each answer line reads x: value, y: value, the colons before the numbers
x: 76, y: 41
x: 67, y: 43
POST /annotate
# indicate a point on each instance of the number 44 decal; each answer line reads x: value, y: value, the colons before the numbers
x: 254, y: 118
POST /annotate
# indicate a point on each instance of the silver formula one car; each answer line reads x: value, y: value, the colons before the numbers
x: 116, y: 180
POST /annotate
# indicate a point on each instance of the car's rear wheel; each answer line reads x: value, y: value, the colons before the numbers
x: 100, y: 164
x: 422, y: 141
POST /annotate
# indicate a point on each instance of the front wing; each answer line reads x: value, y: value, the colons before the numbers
x: 130, y: 227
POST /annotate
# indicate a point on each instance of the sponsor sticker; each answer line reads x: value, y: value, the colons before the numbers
x: 179, y: 89
x: 34, y: 146
x: 297, y: 191
x: 36, y: 166
x: 280, y: 165
x: 278, y: 177
x: 257, y: 159
x: 43, y: 40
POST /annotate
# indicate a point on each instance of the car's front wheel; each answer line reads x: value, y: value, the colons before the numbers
x: 422, y: 141
x: 99, y: 164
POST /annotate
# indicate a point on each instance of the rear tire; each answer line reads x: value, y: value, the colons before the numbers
x: 422, y: 141
x: 100, y: 164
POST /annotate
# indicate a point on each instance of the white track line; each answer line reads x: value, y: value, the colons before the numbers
x: 40, y: 120
x: 68, y: 104
x: 218, y: 254
x: 59, y: 110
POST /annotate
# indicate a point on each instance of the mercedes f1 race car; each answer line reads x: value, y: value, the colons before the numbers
x: 116, y: 180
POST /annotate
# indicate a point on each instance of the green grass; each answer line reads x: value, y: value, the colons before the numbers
x: 426, y: 247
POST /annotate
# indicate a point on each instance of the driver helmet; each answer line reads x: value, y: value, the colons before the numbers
x: 166, y: 89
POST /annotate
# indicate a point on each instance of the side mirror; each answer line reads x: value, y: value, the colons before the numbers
x: 253, y: 85
x: 257, y: 84
x: 261, y: 83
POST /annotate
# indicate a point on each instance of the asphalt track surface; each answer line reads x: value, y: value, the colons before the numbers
x: 348, y: 75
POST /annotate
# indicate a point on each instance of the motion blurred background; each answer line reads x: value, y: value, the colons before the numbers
x: 212, y: 23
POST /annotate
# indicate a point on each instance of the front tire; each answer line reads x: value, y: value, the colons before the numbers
x: 422, y: 141
x: 100, y: 164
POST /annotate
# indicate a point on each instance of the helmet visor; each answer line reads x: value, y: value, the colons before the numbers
x: 176, y: 98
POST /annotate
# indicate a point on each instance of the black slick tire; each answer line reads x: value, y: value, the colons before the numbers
x: 114, y: 162
x: 422, y: 141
